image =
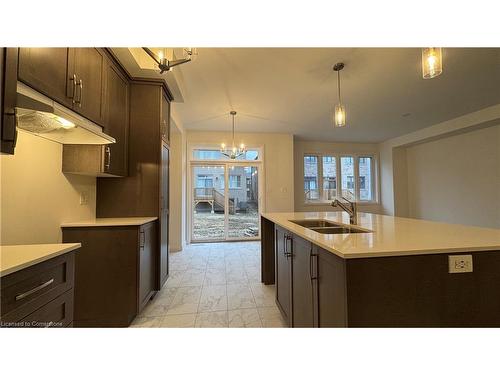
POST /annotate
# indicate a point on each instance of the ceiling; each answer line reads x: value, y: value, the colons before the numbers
x: 293, y: 90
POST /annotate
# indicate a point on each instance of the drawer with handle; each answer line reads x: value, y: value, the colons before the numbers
x: 25, y: 291
x: 58, y: 313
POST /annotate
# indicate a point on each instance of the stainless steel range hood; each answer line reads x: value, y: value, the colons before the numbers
x: 37, y: 114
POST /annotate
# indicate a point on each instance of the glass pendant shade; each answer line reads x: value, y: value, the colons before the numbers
x: 432, y: 62
x: 339, y: 116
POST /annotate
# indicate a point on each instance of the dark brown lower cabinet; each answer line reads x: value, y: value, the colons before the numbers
x: 283, y: 274
x: 303, y: 283
x: 316, y: 288
x: 331, y: 292
x: 115, y: 272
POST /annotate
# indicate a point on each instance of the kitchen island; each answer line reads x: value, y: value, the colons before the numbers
x: 383, y: 272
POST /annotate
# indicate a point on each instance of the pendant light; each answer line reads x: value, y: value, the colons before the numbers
x: 233, y: 152
x: 432, y: 62
x: 339, y: 116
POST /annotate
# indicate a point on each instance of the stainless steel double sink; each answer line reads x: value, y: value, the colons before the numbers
x: 326, y: 227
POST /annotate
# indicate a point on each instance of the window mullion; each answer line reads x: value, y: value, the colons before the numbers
x: 356, y: 178
x: 320, y: 176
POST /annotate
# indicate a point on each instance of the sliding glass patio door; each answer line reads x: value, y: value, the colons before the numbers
x: 208, y: 203
x: 225, y: 202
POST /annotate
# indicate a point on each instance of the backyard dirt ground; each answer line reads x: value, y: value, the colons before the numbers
x: 208, y: 226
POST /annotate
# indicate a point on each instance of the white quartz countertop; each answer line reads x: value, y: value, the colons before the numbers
x: 110, y: 222
x: 391, y: 236
x: 17, y: 257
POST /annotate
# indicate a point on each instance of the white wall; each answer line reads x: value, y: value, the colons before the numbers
x: 278, y: 163
x: 399, y: 194
x: 303, y: 147
x: 177, y: 186
x: 456, y: 179
x: 36, y: 197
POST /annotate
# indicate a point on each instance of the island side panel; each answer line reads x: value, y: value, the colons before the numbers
x: 418, y: 291
x: 267, y: 257
x: 331, y: 304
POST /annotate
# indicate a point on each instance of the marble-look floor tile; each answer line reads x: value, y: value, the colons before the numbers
x: 219, y: 264
x: 166, y: 294
x: 213, y: 298
x: 271, y: 317
x: 236, y: 276
x: 253, y: 274
x: 178, y: 321
x: 244, y: 318
x: 239, y: 296
x: 193, y: 277
x: 264, y: 295
x: 186, y: 301
x: 214, y: 276
x: 146, y: 322
x: 198, y: 263
x: 174, y: 279
x: 155, y: 308
x: 215, y: 319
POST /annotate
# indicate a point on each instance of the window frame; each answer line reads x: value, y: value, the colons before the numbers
x: 374, y: 175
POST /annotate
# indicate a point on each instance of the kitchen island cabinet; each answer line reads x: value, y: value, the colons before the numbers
x: 115, y: 270
x: 393, y: 275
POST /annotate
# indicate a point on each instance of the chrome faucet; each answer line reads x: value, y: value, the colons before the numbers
x: 350, y: 207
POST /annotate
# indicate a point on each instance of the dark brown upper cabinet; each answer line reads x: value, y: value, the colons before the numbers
x: 86, y: 71
x: 74, y: 77
x: 46, y: 70
x: 109, y: 160
x: 165, y: 119
x: 117, y: 118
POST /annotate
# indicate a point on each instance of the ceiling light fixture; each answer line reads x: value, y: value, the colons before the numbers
x: 339, y: 116
x: 432, y: 62
x: 166, y: 65
x: 233, y: 152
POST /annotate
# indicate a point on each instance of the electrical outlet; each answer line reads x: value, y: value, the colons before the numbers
x: 84, y: 198
x: 459, y: 263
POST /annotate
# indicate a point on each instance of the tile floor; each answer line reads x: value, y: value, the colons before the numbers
x: 214, y: 285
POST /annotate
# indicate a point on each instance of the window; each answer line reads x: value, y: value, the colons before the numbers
x: 324, y: 173
x: 362, y: 183
x: 207, y: 154
x: 204, y: 181
x: 347, y: 173
x: 365, y: 178
x: 329, y: 178
x: 311, y: 174
x: 234, y: 181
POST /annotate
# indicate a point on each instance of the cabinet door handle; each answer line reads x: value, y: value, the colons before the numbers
x: 288, y: 237
x: 142, y: 239
x: 73, y: 94
x: 35, y: 289
x: 311, y: 256
x: 107, y: 159
x: 80, y: 97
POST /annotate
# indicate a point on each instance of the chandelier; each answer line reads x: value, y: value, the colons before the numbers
x: 233, y: 152
x: 166, y: 65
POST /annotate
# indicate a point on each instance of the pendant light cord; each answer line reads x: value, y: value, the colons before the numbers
x: 233, y: 131
x: 338, y: 84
